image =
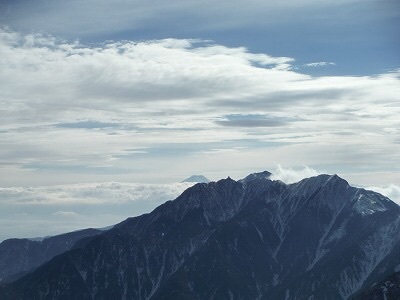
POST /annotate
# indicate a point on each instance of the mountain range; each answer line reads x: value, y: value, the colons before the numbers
x: 254, y: 238
x: 19, y: 256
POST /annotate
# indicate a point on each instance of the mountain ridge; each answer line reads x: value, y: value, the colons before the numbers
x: 27, y: 254
x: 249, y: 239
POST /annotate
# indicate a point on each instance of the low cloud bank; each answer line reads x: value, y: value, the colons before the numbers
x: 50, y: 210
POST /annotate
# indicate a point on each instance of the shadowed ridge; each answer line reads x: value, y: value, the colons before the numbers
x: 26, y: 254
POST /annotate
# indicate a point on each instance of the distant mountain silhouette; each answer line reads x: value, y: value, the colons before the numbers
x: 17, y: 256
x: 197, y: 178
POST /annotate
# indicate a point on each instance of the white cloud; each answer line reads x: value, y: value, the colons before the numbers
x: 107, y: 193
x: 320, y: 64
x: 149, y: 110
x: 391, y: 191
x: 289, y: 175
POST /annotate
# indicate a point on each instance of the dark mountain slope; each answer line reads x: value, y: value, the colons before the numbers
x: 248, y: 239
x: 388, y: 289
x: 17, y: 256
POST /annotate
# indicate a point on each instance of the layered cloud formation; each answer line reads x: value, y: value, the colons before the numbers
x: 49, y: 210
x: 161, y: 109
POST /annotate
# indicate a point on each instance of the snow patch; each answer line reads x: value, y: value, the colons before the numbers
x: 375, y: 250
x: 367, y: 206
x: 275, y: 280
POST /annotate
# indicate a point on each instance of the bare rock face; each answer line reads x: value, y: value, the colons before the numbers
x: 389, y: 289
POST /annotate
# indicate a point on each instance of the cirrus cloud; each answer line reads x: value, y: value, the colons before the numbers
x: 320, y: 64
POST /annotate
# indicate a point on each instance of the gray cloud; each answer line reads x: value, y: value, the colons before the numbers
x: 67, y: 214
x: 88, y: 125
x: 253, y: 121
x: 91, y: 193
x: 70, y: 111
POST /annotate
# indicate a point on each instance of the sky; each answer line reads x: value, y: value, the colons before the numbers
x: 151, y: 92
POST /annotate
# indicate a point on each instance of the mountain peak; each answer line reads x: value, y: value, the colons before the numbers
x: 197, y: 178
x: 324, y: 179
x: 255, y: 238
x: 256, y: 176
